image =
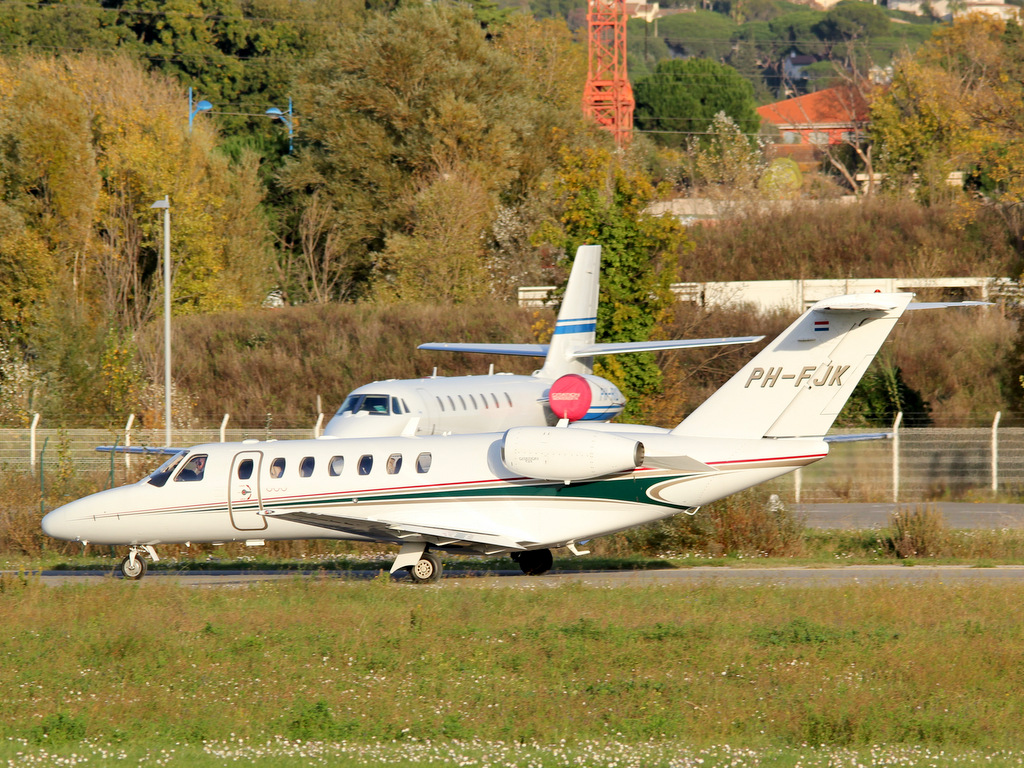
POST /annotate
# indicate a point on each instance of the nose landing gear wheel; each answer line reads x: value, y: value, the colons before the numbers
x: 427, y: 570
x: 133, y: 568
x: 534, y: 562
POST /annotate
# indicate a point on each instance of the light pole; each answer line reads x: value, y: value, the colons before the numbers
x: 202, y: 106
x: 165, y: 204
x: 277, y: 114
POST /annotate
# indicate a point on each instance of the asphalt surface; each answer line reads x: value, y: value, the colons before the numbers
x: 960, y: 515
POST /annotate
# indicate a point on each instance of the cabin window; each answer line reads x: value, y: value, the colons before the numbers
x: 245, y: 469
x: 509, y: 398
x: 193, y: 469
x: 441, y: 403
x: 337, y: 464
x: 451, y: 402
x: 423, y: 463
x: 483, y: 399
x: 165, y: 470
x: 473, y: 401
x: 277, y: 467
x: 394, y: 463
x: 365, y: 464
x: 461, y: 400
x: 306, y: 466
x: 494, y: 397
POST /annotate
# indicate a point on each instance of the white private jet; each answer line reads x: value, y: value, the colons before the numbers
x: 521, y: 492
x: 565, y: 387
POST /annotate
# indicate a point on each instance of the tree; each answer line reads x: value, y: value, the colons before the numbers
x: 682, y: 97
x: 603, y: 200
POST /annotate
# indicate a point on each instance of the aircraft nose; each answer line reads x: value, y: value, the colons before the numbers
x: 58, y: 524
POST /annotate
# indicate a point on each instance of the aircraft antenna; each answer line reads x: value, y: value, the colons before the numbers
x: 608, y: 96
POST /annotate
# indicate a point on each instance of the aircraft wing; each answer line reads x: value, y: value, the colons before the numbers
x: 589, y: 350
x: 609, y: 348
x: 165, y: 451
x: 433, y: 534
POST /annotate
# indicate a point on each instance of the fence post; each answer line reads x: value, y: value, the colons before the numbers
x: 224, y: 427
x: 797, y: 482
x: 127, y: 442
x: 896, y: 457
x: 995, y: 451
x: 32, y: 443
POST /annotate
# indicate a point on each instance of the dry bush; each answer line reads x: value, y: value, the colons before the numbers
x: 277, y: 362
x: 877, y: 237
x: 918, y: 532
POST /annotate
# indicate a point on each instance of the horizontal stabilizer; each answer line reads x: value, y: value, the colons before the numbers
x: 858, y: 438
x: 947, y: 304
x: 140, y: 449
x: 390, y: 529
x: 522, y: 350
x: 589, y: 350
x: 609, y: 348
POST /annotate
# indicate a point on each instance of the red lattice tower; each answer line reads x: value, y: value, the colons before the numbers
x: 608, y: 96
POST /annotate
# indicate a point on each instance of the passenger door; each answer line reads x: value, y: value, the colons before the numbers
x: 244, y: 499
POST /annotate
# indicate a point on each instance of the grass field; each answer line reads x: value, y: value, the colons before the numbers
x: 322, y: 671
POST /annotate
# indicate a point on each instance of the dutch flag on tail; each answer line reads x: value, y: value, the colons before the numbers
x: 821, y: 325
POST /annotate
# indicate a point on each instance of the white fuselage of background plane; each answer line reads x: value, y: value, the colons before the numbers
x: 452, y: 492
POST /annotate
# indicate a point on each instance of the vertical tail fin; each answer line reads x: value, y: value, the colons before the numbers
x: 797, y: 385
x: 577, y: 319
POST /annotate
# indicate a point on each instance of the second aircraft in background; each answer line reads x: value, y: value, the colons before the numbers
x: 565, y: 387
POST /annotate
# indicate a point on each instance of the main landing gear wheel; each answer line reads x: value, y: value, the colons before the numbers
x: 133, y: 568
x: 427, y: 570
x: 534, y: 562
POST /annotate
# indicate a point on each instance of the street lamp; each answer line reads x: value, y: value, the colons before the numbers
x: 165, y: 204
x: 277, y: 114
x: 202, y: 106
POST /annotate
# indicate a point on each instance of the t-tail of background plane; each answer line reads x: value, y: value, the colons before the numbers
x: 799, y: 383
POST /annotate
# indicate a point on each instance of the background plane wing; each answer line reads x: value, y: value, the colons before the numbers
x: 438, y: 535
x: 609, y: 348
x: 165, y: 450
x: 857, y: 438
x: 523, y: 350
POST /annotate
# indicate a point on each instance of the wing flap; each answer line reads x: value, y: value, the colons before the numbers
x: 399, y: 531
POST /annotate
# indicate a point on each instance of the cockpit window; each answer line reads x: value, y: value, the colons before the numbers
x: 160, y: 475
x: 193, y: 469
x: 378, y: 405
x: 396, y: 407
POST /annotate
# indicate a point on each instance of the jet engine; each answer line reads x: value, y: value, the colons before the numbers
x: 585, y: 398
x: 553, y: 453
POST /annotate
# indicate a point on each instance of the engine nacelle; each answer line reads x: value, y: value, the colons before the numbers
x: 553, y: 453
x: 585, y: 398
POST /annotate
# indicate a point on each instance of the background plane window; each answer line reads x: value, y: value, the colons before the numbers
x: 365, y: 464
x: 451, y: 402
x: 494, y: 397
x: 306, y: 466
x: 473, y: 401
x: 376, y: 405
x: 277, y: 467
x: 245, y: 469
x: 337, y: 464
x: 463, y: 402
x: 441, y: 403
x: 509, y: 398
x: 394, y: 463
x: 483, y: 399
x: 423, y: 463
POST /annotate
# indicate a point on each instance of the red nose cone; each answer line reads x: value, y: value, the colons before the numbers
x: 570, y: 397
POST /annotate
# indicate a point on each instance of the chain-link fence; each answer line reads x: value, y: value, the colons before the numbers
x: 921, y: 464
